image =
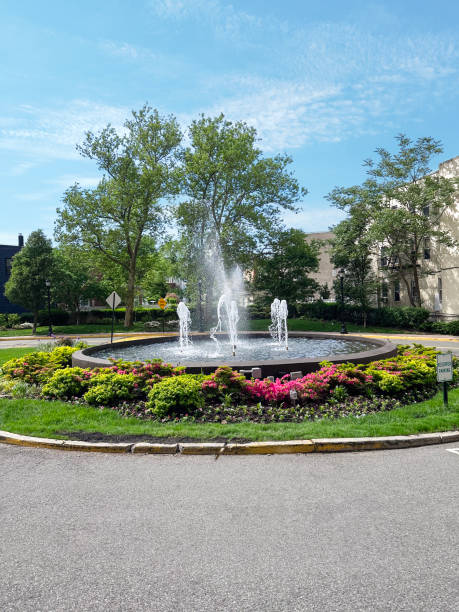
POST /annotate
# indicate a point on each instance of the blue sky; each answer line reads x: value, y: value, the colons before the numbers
x: 326, y: 82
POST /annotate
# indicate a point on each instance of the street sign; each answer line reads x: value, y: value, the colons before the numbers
x: 162, y: 303
x: 113, y: 300
x: 445, y: 367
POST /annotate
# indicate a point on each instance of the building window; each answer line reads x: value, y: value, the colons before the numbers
x: 384, y: 293
x: 426, y: 248
x: 8, y: 265
x: 426, y: 211
x: 440, y: 290
x: 414, y: 293
x: 397, y: 291
x: 384, y: 258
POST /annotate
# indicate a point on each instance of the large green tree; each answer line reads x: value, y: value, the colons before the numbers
x: 282, y: 269
x: 76, y: 278
x: 351, y: 253
x: 31, y: 267
x: 128, y: 205
x: 233, y: 197
x: 403, y: 203
x: 231, y: 191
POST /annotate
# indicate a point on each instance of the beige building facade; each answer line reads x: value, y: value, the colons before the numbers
x: 439, y: 281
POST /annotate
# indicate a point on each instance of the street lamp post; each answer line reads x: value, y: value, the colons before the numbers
x: 341, y: 282
x: 50, y: 327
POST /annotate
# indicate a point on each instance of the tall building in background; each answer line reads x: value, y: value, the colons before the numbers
x: 439, y: 280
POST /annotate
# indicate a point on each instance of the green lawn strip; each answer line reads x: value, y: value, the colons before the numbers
x: 96, y: 328
x: 13, y: 353
x: 44, y: 419
x: 253, y: 325
x: 325, y: 326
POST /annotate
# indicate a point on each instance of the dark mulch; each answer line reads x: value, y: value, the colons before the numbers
x: 97, y: 436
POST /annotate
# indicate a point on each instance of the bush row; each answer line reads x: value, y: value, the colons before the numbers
x: 102, y: 316
x: 166, y: 392
x: 403, y: 316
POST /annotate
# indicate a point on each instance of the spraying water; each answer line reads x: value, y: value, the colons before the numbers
x: 278, y: 327
x: 227, y: 312
x: 185, y: 325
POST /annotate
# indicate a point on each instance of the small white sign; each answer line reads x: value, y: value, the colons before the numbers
x: 445, y: 367
x: 113, y: 300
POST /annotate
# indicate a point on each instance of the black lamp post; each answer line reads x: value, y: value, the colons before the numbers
x: 50, y: 327
x: 341, y: 282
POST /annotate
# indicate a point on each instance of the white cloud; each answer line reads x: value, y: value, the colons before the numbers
x: 52, y: 133
x: 22, y: 168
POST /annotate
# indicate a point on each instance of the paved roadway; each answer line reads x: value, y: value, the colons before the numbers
x: 337, y: 532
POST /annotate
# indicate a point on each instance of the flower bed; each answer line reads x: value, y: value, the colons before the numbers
x: 157, y: 390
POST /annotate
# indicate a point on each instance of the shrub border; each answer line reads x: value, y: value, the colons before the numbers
x: 314, y: 445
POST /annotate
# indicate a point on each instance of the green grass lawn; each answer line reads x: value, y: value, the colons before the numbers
x: 75, y: 329
x: 253, y: 325
x: 325, y: 326
x: 12, y: 353
x: 45, y: 419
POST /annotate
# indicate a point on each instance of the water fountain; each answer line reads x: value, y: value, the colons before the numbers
x: 184, y: 316
x: 254, y: 349
x: 278, y: 327
x: 227, y: 311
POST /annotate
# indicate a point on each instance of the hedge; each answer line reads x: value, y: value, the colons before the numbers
x: 404, y: 317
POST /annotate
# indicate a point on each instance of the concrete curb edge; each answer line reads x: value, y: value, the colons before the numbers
x: 323, y: 445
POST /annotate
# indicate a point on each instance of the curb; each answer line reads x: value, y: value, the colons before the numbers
x: 323, y: 445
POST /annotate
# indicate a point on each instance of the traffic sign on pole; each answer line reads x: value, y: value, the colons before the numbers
x: 445, y: 372
x: 162, y: 303
x: 113, y: 301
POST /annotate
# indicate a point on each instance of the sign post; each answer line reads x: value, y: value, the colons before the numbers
x: 445, y: 372
x: 162, y: 303
x: 113, y: 301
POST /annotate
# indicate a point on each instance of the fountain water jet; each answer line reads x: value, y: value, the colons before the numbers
x: 185, y: 323
x: 278, y: 327
x: 227, y: 309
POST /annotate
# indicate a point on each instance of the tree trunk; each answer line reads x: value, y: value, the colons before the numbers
x: 35, y: 322
x: 129, y: 316
x: 417, y: 299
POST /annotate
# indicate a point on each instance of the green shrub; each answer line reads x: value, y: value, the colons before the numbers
x: 176, y: 396
x: 58, y: 317
x: 9, y: 320
x: 413, y: 367
x: 446, y: 327
x: 66, y: 383
x: 38, y: 367
x: 224, y: 381
x: 108, y: 388
x: 405, y: 317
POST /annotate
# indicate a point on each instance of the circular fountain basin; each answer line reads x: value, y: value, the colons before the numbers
x: 255, y: 349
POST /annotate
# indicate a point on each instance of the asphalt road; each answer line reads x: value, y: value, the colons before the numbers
x: 352, y: 531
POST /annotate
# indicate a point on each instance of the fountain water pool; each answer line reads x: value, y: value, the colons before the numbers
x: 255, y: 349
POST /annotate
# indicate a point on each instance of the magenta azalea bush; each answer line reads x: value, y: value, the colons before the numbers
x: 313, y: 387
